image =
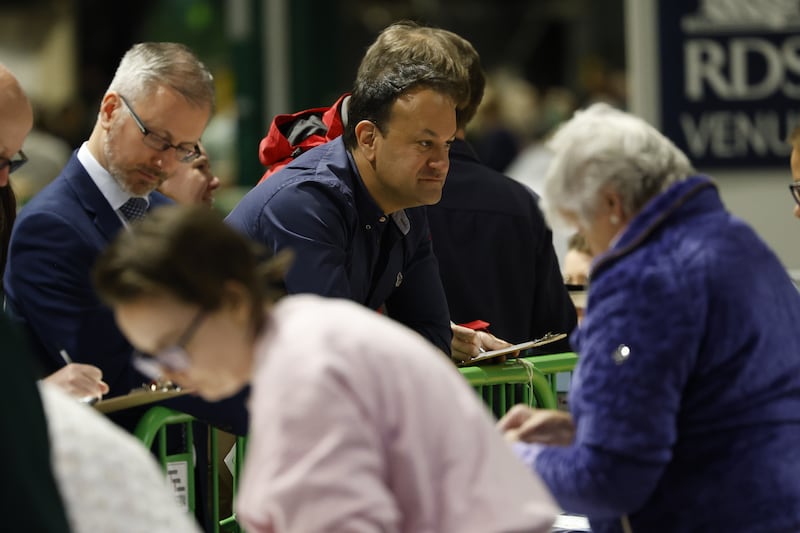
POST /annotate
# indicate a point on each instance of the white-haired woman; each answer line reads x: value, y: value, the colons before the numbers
x: 686, y: 399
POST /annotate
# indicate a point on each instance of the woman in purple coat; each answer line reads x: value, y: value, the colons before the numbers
x: 686, y: 399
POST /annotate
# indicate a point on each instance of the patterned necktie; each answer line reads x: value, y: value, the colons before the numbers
x: 134, y: 208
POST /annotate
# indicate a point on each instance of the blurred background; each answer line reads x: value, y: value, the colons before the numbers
x: 544, y: 58
x: 280, y: 56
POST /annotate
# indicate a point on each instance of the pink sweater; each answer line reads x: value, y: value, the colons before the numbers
x: 359, y: 425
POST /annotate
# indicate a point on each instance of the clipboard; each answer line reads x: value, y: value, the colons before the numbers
x: 484, y: 356
x: 136, y: 398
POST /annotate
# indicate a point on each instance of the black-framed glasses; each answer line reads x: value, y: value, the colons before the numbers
x: 13, y: 164
x: 185, y: 152
x: 173, y: 358
x: 794, y: 188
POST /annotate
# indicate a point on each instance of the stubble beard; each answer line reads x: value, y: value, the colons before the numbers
x: 124, y: 176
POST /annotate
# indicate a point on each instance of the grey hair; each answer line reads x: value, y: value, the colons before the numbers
x: 146, y: 66
x: 604, y: 147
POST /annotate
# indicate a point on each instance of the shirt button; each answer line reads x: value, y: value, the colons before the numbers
x: 368, y: 226
x: 382, y: 219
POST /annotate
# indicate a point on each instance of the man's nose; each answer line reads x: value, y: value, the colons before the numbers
x: 440, y: 160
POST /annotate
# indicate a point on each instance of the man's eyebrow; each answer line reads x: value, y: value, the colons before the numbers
x: 428, y: 131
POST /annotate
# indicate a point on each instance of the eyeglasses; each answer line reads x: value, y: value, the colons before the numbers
x: 795, y: 190
x: 13, y: 164
x: 185, y: 152
x: 174, y: 358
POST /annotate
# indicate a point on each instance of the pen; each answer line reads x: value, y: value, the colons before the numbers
x: 88, y: 400
x: 65, y: 356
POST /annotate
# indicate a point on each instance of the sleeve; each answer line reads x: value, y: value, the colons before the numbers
x: 49, y: 277
x: 626, y: 407
x: 31, y: 501
x: 420, y: 302
x: 108, y: 479
x: 315, y: 464
x: 553, y: 310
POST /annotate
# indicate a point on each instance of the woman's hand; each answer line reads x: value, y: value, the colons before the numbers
x: 543, y: 426
x: 79, y: 380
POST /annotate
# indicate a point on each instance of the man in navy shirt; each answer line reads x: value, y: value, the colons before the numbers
x: 352, y: 209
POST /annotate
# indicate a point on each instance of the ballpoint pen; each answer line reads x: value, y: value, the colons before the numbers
x: 65, y: 356
x: 88, y: 400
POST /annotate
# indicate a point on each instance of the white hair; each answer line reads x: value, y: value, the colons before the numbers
x: 146, y: 66
x: 603, y: 147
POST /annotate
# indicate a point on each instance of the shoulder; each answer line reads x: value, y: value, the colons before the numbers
x: 159, y: 199
x: 293, y: 191
x: 343, y: 328
x: 473, y: 184
x: 55, y: 205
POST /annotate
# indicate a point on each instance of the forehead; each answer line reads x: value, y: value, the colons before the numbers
x: 148, y: 320
x: 795, y: 160
x: 424, y: 111
x: 17, y: 123
x: 166, y: 111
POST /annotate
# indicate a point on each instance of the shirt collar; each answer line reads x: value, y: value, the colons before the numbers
x: 112, y: 192
x: 368, y: 209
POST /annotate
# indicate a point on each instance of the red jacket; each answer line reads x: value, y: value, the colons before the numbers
x: 292, y: 134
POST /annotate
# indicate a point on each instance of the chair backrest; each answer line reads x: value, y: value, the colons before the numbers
x: 176, y: 452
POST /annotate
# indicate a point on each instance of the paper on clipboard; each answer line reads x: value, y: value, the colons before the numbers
x: 547, y: 339
x: 137, y: 397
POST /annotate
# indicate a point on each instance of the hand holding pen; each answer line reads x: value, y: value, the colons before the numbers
x: 468, y: 343
x: 84, y: 382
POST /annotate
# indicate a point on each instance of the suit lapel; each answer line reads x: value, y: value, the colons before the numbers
x: 91, y: 199
x: 95, y: 204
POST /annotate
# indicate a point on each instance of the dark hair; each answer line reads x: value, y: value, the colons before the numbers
x: 189, y: 252
x: 469, y: 58
x: 405, y: 56
x: 8, y: 213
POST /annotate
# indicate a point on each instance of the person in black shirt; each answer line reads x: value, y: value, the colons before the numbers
x: 495, y: 250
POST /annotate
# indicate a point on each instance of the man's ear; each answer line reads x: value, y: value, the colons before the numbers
x: 108, y: 106
x: 366, y: 135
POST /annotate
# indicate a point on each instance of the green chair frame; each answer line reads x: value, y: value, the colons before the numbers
x: 532, y: 382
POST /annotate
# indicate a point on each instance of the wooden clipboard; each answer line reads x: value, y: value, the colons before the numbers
x: 484, y: 356
x: 135, y: 398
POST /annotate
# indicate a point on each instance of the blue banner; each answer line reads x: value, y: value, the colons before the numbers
x: 730, y: 79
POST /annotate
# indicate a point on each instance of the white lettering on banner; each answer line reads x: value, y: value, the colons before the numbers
x: 742, y: 16
x: 727, y: 134
x: 725, y: 69
x: 722, y: 11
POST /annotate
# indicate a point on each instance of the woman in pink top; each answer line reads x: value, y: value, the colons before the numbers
x: 357, y: 423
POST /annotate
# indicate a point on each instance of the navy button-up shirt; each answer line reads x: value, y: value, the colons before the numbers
x: 344, y: 245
